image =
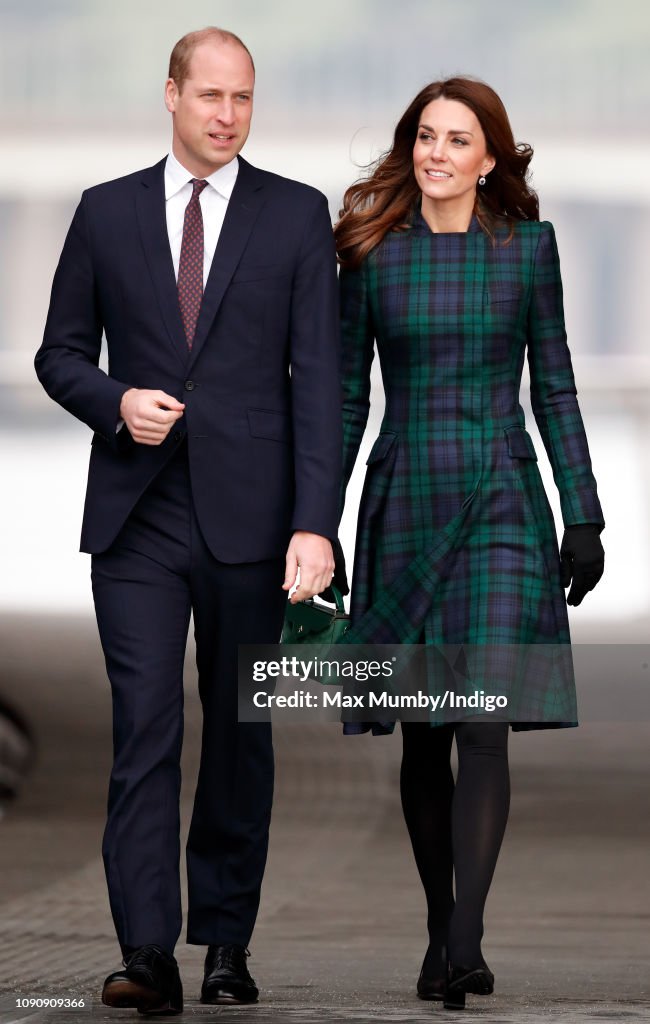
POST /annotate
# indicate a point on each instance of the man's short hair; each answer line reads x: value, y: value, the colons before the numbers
x: 181, y: 56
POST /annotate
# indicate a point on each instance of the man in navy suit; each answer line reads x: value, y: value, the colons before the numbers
x: 214, y: 478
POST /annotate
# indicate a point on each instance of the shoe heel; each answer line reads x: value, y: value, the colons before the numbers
x: 454, y: 1000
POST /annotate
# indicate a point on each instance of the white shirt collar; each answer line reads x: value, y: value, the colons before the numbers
x: 222, y: 180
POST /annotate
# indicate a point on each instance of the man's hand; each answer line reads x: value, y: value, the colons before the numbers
x: 313, y: 555
x: 340, y: 579
x: 149, y: 415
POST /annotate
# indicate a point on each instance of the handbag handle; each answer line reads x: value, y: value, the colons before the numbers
x: 338, y: 598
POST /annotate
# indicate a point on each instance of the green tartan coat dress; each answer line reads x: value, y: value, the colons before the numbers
x: 456, y: 542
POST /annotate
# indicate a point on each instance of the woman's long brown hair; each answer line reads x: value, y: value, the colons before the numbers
x: 385, y: 200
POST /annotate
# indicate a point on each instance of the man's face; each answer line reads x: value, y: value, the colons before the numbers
x: 212, y: 113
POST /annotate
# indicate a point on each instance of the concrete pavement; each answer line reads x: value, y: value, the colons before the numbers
x: 341, y: 932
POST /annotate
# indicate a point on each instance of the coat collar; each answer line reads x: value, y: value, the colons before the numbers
x: 419, y: 225
x: 244, y: 206
x: 177, y: 177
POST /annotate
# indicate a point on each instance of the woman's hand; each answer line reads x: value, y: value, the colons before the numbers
x: 582, y: 560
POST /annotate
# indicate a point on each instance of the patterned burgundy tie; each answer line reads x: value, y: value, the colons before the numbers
x: 190, y: 267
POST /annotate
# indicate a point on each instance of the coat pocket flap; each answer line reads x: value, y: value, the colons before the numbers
x: 520, y: 443
x: 274, y: 425
x: 381, y: 447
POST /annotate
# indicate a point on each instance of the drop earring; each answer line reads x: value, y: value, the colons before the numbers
x: 481, y: 180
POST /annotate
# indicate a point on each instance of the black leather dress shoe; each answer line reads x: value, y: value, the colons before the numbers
x: 226, y: 978
x: 149, y: 983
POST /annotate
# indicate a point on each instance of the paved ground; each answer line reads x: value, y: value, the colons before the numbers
x: 341, y: 931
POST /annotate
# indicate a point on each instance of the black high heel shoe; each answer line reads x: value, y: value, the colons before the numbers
x: 432, y: 982
x: 460, y: 980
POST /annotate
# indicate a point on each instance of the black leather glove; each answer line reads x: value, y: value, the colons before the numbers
x: 582, y: 560
x: 340, y: 579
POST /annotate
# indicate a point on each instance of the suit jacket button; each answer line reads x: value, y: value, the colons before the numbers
x: 189, y: 385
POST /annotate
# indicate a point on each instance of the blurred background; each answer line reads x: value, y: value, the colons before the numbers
x: 82, y: 84
x: 82, y: 101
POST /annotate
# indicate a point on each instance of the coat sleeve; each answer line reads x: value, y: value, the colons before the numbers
x: 357, y: 342
x: 553, y: 390
x: 67, y: 363
x: 315, y: 379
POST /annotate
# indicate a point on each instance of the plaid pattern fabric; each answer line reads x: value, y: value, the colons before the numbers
x: 456, y: 541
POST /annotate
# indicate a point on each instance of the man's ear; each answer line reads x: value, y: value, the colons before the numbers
x: 171, y: 95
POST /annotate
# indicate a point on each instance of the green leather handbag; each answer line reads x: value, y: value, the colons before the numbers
x: 312, y: 622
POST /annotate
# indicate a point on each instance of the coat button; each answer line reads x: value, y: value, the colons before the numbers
x: 189, y: 385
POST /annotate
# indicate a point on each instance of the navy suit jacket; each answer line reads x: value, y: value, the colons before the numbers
x: 261, y: 385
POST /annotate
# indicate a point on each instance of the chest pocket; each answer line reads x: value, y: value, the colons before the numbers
x: 503, y: 291
x: 262, y: 272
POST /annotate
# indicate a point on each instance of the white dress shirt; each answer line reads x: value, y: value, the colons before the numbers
x: 213, y: 200
x: 214, y: 203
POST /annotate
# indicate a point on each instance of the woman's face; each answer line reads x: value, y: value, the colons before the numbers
x: 450, y: 152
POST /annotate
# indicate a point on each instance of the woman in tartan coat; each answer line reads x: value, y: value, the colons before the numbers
x: 446, y: 266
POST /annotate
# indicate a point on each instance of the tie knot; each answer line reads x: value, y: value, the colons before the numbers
x: 198, y: 184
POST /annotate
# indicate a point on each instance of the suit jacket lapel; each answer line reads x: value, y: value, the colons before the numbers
x: 150, y: 207
x: 245, y: 203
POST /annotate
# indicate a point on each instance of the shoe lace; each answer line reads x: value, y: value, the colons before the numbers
x: 141, y: 958
x: 230, y: 957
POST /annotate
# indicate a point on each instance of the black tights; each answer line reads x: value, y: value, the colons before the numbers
x: 456, y: 830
